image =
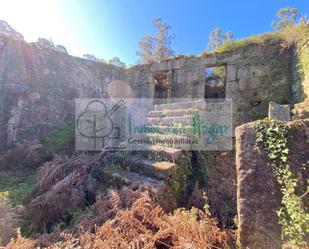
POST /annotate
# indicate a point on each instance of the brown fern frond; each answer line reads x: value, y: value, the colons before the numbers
x: 114, y: 198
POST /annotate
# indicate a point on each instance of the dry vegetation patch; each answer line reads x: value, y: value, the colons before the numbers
x: 143, y: 224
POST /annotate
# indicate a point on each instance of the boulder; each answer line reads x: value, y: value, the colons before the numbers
x: 7, y: 30
x: 46, y: 43
x: 61, y: 49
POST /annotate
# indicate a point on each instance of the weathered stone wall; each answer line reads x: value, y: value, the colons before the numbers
x: 258, y: 193
x: 141, y: 80
x: 301, y: 74
x: 38, y: 86
x: 255, y: 75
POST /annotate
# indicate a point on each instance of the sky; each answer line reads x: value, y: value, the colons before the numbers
x: 108, y: 28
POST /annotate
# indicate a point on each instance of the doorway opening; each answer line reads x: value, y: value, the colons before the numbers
x: 162, y: 86
x: 215, y: 82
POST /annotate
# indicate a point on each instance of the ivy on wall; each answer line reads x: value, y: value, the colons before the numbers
x: 272, y: 138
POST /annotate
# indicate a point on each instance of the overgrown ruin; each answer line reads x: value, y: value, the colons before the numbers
x: 38, y: 86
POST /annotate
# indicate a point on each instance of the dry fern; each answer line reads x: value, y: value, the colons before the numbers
x: 141, y: 225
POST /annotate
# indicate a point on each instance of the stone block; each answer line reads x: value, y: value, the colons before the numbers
x: 258, y: 194
x: 231, y: 73
x: 279, y: 112
x: 151, y: 168
x: 249, y: 83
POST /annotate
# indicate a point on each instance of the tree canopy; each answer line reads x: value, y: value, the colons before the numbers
x: 158, y: 46
x: 217, y: 39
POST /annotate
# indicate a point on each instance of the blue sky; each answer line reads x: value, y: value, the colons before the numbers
x: 108, y: 28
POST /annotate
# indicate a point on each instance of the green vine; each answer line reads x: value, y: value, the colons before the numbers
x: 272, y: 137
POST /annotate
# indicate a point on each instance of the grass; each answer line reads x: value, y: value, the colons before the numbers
x: 255, y: 39
x: 75, y: 215
x: 17, y: 185
x: 113, y: 168
x: 292, y: 35
x: 61, y: 140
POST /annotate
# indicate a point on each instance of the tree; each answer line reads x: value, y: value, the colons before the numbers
x: 163, y: 47
x: 304, y: 20
x: 217, y: 39
x: 288, y: 17
x: 147, y: 46
x: 156, y: 47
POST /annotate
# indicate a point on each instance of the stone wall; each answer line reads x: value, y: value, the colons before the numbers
x: 258, y: 193
x: 255, y: 75
x: 300, y: 83
x: 38, y: 84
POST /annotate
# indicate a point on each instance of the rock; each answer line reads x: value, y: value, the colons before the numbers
x: 301, y: 110
x: 279, y: 112
x: 117, y: 62
x: 151, y: 168
x: 46, y: 43
x: 2, y: 45
x: 258, y: 194
x: 16, y: 88
x: 7, y: 30
x: 49, y: 44
x: 61, y: 49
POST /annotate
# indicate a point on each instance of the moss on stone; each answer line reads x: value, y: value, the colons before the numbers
x: 303, y: 68
x: 193, y: 168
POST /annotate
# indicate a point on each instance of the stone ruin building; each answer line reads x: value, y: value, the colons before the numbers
x: 38, y: 86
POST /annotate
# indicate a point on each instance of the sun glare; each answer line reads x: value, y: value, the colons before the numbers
x: 34, y: 18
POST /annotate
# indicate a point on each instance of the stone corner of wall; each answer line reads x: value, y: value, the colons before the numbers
x: 258, y: 196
